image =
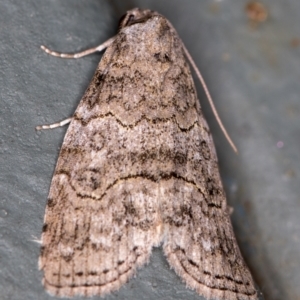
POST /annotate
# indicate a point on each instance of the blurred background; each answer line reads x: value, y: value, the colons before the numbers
x: 249, y: 55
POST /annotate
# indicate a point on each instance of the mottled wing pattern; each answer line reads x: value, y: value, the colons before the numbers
x: 200, y: 244
x: 102, y: 217
x: 138, y: 167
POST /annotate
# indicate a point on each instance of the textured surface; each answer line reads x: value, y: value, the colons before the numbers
x: 253, y: 75
x: 137, y: 168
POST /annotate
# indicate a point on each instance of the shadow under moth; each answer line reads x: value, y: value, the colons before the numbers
x: 138, y: 169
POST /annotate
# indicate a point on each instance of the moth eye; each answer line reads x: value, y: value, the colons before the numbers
x: 125, y: 20
x: 130, y: 19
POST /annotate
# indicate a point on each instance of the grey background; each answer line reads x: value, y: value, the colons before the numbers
x: 253, y: 76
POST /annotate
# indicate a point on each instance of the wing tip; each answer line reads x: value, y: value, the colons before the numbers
x: 204, y: 290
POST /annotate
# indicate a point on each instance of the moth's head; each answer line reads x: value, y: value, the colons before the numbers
x: 134, y: 16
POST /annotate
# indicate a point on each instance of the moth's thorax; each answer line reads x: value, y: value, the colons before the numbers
x: 147, y: 26
x: 155, y: 29
x: 150, y: 38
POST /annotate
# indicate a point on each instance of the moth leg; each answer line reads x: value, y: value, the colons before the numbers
x: 54, y: 125
x: 82, y: 53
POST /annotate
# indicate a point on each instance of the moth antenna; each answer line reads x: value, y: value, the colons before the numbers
x: 211, y: 103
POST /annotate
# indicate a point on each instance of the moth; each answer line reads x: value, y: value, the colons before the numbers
x: 138, y: 169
